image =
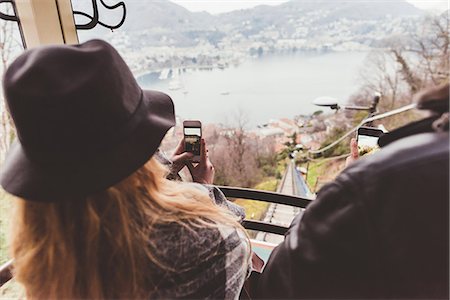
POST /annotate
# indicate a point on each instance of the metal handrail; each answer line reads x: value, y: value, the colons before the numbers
x: 265, y: 196
x: 367, y: 120
x: 264, y: 226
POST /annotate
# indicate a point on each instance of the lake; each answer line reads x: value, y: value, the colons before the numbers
x: 263, y: 88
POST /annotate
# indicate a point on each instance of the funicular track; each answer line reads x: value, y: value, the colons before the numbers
x: 293, y: 184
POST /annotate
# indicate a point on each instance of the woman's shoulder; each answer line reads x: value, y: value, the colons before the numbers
x: 199, y: 261
x: 183, y: 243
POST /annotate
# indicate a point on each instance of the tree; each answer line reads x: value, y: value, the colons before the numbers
x: 407, y: 65
x: 239, y: 158
x: 424, y: 58
x: 431, y: 48
x: 240, y: 163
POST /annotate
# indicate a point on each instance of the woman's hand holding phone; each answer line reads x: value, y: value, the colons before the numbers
x: 203, y: 172
x: 180, y: 158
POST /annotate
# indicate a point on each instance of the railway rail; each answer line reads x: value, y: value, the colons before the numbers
x: 293, y: 184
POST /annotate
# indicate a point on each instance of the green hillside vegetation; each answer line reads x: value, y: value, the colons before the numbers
x: 321, y: 171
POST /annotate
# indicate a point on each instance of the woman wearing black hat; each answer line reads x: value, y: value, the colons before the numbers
x: 96, y: 216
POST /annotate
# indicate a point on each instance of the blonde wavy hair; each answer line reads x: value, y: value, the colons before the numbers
x: 95, y: 247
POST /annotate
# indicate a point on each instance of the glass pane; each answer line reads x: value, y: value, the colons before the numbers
x: 10, y: 47
x: 250, y: 70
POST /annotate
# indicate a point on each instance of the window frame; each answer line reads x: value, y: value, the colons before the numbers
x: 45, y: 22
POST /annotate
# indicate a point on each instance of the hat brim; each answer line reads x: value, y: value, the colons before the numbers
x: 30, y: 180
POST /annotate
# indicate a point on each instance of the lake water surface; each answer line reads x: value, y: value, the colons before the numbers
x: 264, y: 88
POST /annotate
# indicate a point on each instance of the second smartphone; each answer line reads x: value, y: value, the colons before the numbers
x: 368, y: 139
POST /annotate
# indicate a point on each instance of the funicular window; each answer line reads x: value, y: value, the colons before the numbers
x: 250, y: 74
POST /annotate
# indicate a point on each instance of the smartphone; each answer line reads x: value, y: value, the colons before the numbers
x: 192, y: 138
x: 368, y: 140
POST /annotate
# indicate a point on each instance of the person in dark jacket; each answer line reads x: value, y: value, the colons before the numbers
x: 381, y: 229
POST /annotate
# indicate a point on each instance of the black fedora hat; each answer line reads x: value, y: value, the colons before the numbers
x: 83, y: 123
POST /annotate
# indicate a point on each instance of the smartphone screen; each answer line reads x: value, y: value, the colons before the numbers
x: 368, y: 140
x: 192, y: 137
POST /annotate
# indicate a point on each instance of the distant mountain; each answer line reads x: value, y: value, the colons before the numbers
x: 158, y: 19
x: 161, y: 22
x: 365, y: 10
x: 164, y: 15
x: 321, y: 11
x: 332, y: 10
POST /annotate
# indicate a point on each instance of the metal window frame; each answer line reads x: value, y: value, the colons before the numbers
x: 45, y: 22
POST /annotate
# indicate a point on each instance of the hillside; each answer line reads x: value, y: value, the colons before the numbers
x: 163, y: 22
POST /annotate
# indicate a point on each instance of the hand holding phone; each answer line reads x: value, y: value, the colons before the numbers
x: 179, y: 158
x: 353, y: 152
x: 204, y: 171
x: 366, y: 142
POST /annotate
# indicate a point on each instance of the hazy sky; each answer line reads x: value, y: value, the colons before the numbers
x: 220, y: 6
